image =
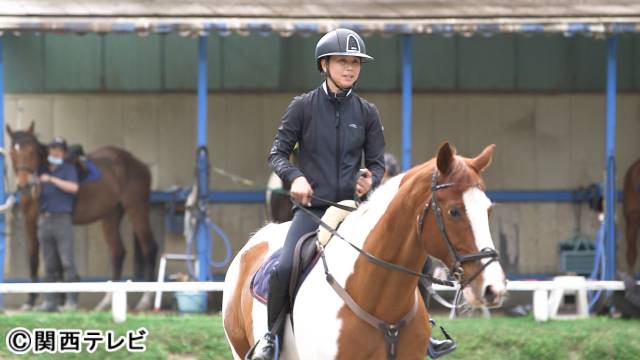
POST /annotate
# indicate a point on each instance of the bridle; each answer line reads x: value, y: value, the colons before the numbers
x: 33, y: 173
x: 32, y: 186
x: 392, y: 331
x: 456, y: 268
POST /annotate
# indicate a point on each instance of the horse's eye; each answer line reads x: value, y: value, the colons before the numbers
x: 455, y: 213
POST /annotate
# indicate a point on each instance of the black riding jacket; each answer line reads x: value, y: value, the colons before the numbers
x: 332, y: 133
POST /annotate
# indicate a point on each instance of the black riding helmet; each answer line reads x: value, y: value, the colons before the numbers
x: 341, y: 42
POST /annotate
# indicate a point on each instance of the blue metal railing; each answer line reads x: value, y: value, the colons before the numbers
x: 258, y: 196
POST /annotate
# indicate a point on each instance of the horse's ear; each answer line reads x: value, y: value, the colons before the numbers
x: 481, y: 162
x: 9, y: 131
x: 446, y: 158
x: 32, y: 127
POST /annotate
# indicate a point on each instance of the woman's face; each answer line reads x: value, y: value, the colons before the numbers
x: 344, y: 70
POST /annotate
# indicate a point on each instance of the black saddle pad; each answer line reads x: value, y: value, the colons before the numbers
x: 309, y: 256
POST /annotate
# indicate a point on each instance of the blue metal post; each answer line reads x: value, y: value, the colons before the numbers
x: 2, y: 170
x: 406, y: 102
x: 203, y: 237
x: 202, y: 91
x: 610, y: 161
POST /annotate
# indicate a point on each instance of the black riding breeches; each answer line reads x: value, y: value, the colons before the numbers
x: 301, y: 224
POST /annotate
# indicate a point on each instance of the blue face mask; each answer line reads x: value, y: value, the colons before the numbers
x: 54, y: 160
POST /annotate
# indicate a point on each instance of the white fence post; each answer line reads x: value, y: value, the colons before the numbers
x: 119, y: 306
x: 541, y: 305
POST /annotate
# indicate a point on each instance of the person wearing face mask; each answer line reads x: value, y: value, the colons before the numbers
x: 59, y: 184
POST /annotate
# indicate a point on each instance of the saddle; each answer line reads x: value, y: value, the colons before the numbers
x: 305, y: 256
x: 87, y: 170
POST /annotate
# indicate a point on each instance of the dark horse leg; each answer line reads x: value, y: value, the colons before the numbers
x: 138, y: 260
x: 139, y: 214
x: 632, y: 222
x: 111, y: 230
x: 33, y: 249
x: 631, y: 210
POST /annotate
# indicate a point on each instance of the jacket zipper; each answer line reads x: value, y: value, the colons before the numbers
x: 338, y: 151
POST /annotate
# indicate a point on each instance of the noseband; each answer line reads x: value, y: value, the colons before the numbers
x: 456, y: 268
x: 28, y: 139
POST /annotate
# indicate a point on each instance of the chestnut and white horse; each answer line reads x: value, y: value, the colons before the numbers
x: 387, y: 227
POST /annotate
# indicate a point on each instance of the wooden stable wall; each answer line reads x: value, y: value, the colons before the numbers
x: 544, y: 142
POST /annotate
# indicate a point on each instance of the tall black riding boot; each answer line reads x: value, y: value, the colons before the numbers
x: 267, y: 347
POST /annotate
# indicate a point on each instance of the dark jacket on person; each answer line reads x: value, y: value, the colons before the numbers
x: 52, y: 198
x: 332, y: 132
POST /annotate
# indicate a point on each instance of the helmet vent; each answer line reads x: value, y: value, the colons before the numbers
x: 352, y: 44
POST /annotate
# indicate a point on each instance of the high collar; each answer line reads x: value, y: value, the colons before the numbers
x: 331, y: 96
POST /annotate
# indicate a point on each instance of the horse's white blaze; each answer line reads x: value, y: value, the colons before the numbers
x: 477, y: 205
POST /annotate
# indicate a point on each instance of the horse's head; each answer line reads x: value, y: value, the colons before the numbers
x: 453, y: 222
x: 27, y: 156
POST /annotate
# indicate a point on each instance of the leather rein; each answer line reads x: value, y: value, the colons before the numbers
x: 392, y: 331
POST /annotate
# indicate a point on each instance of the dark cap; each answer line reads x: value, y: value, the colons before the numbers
x: 58, y: 142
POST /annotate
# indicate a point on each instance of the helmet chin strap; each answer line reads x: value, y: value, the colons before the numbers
x: 342, y: 92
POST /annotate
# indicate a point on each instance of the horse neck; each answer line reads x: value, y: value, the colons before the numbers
x: 42, y: 154
x: 388, y: 293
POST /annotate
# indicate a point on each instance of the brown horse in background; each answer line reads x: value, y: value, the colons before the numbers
x: 631, y: 209
x: 124, y: 187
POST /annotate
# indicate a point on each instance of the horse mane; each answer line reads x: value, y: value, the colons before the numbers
x: 382, y: 195
x: 419, y: 178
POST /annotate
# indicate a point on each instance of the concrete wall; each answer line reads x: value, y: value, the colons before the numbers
x: 544, y: 142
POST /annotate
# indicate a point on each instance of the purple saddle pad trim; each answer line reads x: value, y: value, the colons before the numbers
x: 260, y: 281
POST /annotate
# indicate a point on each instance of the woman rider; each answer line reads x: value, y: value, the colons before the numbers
x: 333, y: 128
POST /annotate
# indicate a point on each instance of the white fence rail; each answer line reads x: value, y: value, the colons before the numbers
x: 552, y: 285
x: 541, y: 290
x: 106, y: 287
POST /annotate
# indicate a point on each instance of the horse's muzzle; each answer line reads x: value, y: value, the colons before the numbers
x: 493, y: 297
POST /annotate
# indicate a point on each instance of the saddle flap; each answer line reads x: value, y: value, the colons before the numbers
x: 306, y: 255
x: 87, y: 169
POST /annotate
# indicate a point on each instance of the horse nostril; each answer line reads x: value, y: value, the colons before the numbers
x: 489, y: 294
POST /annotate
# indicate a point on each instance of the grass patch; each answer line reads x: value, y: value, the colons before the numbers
x: 523, y: 338
x: 170, y: 335
x: 201, y: 337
